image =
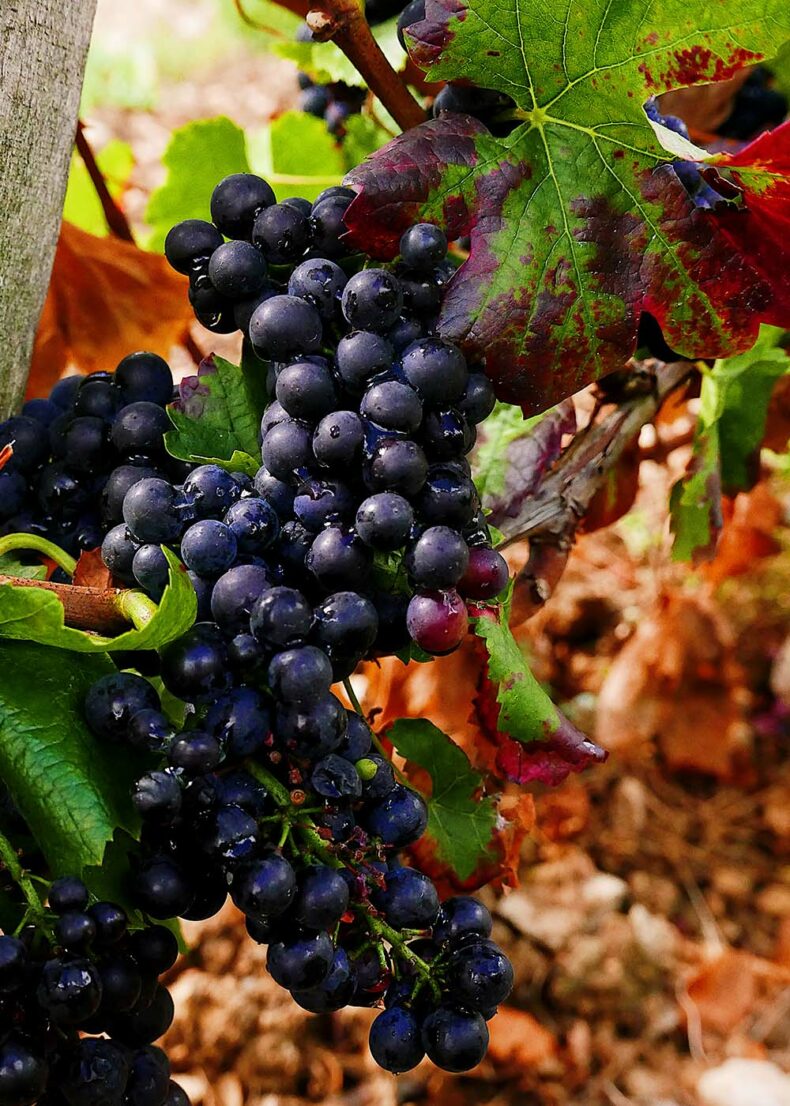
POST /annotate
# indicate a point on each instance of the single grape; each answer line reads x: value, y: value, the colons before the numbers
x: 189, y: 243
x: 437, y: 621
x: 392, y: 406
x: 139, y: 429
x: 141, y: 1027
x: 337, y: 441
x: 211, y: 491
x: 161, y: 888
x: 334, y: 992
x: 454, y: 1039
x: 113, y: 701
x: 151, y: 510
x: 346, y: 623
x: 118, y: 484
x: 399, y: 818
x: 69, y: 990
x: 157, y: 797
x: 384, y: 521
x: 437, y: 370
x: 486, y: 575
x: 321, y: 898
x: 286, y: 449
x: 237, y: 270
x: 282, y: 233
x: 236, y: 202
x: 301, y: 960
x: 68, y: 893
x: 312, y: 729
x: 155, y: 948
x: 235, y: 594
x: 254, y: 523
x: 478, y: 400
x: 338, y: 559
x: 423, y: 246
x: 75, y: 931
x: 460, y: 916
x: 397, y: 465
x: 320, y: 282
x: 335, y: 778
x: 306, y: 390
x: 149, y: 1079
x: 208, y: 547
x: 151, y: 570
x: 395, y: 1040
x: 195, y: 666
x: 447, y: 498
x: 408, y: 899
x: 480, y: 976
x: 327, y: 223
x: 111, y: 922
x: 265, y: 888
x: 118, y: 550
x: 360, y: 356
x: 446, y: 434
x: 372, y: 300
x: 300, y: 675
x: 438, y: 559
x: 284, y: 327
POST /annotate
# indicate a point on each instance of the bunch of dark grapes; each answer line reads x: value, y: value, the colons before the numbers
x: 361, y: 533
x: 77, y: 453
x: 87, y: 973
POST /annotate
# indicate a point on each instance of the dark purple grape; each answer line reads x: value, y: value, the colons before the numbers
x: 321, y: 898
x: 282, y: 234
x: 301, y: 960
x: 321, y: 283
x: 237, y: 270
x: 454, y: 1039
x: 195, y: 666
x: 437, y: 370
x: 211, y: 491
x: 306, y: 390
x: 361, y: 356
x: 395, y: 1040
x: 397, y: 465
x: 372, y: 300
x: 235, y: 594
x: 284, y: 327
x: 438, y: 559
x: 399, y: 818
x: 236, y: 202
x: 113, y: 701
x: 189, y: 243
x: 423, y: 246
x: 392, y: 406
x: 338, y: 559
x: 254, y: 524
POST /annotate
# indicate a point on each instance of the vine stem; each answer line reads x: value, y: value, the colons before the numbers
x: 379, y: 928
x: 117, y: 222
x: 344, y: 22
x: 11, y: 861
x: 12, y: 542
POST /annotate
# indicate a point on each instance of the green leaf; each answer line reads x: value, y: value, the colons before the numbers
x: 362, y: 138
x: 36, y: 615
x: 326, y: 63
x: 10, y: 565
x: 526, y: 713
x: 578, y: 222
x: 197, y: 157
x: 217, y: 416
x: 298, y: 156
x: 72, y: 790
x: 725, y: 453
x: 82, y: 206
x: 459, y: 820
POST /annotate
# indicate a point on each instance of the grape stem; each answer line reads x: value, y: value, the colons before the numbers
x: 20, y: 877
x: 379, y: 928
x: 344, y: 22
x: 32, y: 542
x: 116, y: 221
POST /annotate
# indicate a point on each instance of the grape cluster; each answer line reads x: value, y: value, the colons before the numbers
x: 88, y: 974
x: 77, y: 453
x: 278, y: 796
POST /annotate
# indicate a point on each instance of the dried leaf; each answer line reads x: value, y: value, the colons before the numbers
x: 106, y: 298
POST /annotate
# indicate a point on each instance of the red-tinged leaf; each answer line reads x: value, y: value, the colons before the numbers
x: 535, y: 742
x: 578, y: 222
x: 515, y: 457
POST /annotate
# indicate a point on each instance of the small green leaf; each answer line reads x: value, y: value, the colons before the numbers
x: 36, y: 615
x: 10, y: 565
x: 459, y: 820
x: 326, y: 63
x: 298, y: 156
x: 218, y: 415
x: 72, y: 790
x: 364, y: 135
x: 725, y: 454
x: 504, y: 425
x: 198, y: 156
x: 526, y: 712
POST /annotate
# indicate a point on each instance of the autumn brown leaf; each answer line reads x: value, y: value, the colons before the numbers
x: 106, y: 298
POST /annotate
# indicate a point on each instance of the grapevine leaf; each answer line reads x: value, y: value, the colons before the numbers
x: 326, y: 63
x: 36, y: 615
x: 517, y: 453
x: 364, y: 135
x: 725, y: 452
x: 198, y: 156
x: 578, y: 221
x: 461, y: 823
x: 218, y: 415
x: 297, y: 154
x: 536, y: 742
x: 10, y: 565
x: 105, y: 297
x: 72, y: 790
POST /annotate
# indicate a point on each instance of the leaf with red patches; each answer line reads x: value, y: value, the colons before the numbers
x: 578, y: 222
x: 534, y: 741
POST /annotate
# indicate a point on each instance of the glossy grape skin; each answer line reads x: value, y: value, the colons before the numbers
x: 69, y: 989
x: 438, y: 559
x: 208, y: 547
x: 265, y: 888
x: 235, y: 594
x: 236, y: 202
x: 281, y: 617
x: 423, y: 246
x: 328, y: 226
x: 455, y: 1040
x: 287, y: 448
x: 254, y: 523
x: 302, y: 960
x: 321, y: 899
x: 372, y: 300
x: 397, y: 465
x: 486, y: 575
x: 338, y: 559
x: 211, y: 491
x: 237, y: 270
x: 195, y: 666
x: 399, y: 818
x: 113, y: 701
x: 151, y: 511
x: 480, y: 976
x: 392, y: 406
x: 408, y: 899
x: 320, y: 282
x: 384, y: 521
x: 312, y: 729
x: 437, y: 370
x: 161, y: 889
x: 306, y: 390
x: 461, y: 916
x: 190, y: 242
x: 360, y: 356
x: 437, y: 621
x: 337, y: 440
x: 281, y: 233
x: 395, y: 1040
x: 139, y: 429
x: 284, y: 327
x: 300, y: 675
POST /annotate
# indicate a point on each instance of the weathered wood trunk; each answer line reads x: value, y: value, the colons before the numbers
x: 43, y: 46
